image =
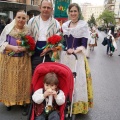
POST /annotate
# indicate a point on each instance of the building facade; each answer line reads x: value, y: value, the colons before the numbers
x: 89, y: 9
x: 114, y: 6
x: 8, y: 8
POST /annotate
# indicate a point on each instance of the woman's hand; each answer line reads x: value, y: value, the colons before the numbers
x: 15, y: 49
x: 79, y: 49
x: 21, y: 49
x: 70, y: 51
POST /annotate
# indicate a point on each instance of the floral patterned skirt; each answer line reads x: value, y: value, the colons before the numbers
x: 15, y: 80
x: 83, y: 92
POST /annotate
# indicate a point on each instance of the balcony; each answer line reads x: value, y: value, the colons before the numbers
x: 109, y: 5
x: 15, y: 1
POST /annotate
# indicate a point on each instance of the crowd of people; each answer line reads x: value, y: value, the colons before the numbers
x: 16, y: 70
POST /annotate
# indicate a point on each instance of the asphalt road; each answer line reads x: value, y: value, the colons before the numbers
x: 106, y: 85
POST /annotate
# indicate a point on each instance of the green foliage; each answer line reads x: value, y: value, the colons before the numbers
x: 107, y: 17
x: 92, y: 21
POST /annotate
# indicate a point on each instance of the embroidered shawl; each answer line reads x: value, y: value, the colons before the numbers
x: 34, y: 24
x: 81, y: 30
x: 8, y: 28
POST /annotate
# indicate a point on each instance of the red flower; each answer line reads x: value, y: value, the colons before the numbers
x: 54, y: 39
x: 31, y: 42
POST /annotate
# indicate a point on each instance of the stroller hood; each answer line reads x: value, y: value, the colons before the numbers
x: 65, y: 77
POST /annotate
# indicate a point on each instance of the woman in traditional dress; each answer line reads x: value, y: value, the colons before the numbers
x: 76, y: 34
x: 15, y: 70
x: 93, y: 41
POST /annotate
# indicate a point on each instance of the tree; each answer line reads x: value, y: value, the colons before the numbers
x: 92, y: 21
x: 107, y: 17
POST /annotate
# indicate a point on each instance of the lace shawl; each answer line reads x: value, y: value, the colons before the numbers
x: 8, y: 28
x: 81, y: 30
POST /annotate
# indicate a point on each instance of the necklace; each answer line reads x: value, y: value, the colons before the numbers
x: 74, y: 22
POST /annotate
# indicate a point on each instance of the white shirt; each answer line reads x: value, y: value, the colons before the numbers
x: 38, y: 97
x: 43, y: 29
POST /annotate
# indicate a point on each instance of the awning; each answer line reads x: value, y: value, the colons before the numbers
x: 32, y: 7
x: 3, y: 14
x: 9, y: 6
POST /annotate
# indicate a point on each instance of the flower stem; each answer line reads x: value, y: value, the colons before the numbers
x: 11, y: 53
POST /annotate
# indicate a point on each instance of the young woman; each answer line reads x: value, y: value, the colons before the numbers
x: 76, y: 34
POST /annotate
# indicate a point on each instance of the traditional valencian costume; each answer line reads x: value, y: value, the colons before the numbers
x: 15, y: 71
x: 41, y: 30
x: 76, y: 38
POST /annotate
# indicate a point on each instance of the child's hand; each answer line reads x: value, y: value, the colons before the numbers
x: 54, y: 93
x: 47, y: 93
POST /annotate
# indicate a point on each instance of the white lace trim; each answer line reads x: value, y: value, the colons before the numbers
x: 2, y: 48
x: 81, y: 30
x: 6, y: 31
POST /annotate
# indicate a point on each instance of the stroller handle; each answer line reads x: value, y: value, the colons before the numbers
x: 73, y: 54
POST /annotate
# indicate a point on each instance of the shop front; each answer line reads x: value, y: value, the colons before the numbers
x: 9, y: 9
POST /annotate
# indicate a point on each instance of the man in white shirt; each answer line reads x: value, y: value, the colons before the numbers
x: 41, y: 28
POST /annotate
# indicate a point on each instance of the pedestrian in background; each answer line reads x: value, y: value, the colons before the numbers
x: 111, y: 44
x: 2, y: 25
x: 93, y: 41
x: 15, y: 70
x: 41, y: 28
x: 76, y: 34
x: 9, y: 20
x: 118, y: 40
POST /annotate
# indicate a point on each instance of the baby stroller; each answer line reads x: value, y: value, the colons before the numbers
x: 66, y: 83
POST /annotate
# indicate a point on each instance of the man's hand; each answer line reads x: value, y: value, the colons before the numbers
x: 45, y: 51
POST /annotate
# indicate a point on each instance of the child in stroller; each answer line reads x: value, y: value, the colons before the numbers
x: 66, y: 84
x: 48, y: 99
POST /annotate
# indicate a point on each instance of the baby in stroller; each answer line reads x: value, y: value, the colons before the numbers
x: 48, y: 99
x: 50, y: 80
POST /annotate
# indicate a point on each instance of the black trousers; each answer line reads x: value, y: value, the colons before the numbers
x: 109, y: 48
x: 36, y: 60
x: 52, y: 116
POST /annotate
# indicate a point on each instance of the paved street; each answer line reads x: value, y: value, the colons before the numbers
x: 106, y: 84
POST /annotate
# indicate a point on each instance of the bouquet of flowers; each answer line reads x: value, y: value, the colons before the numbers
x: 93, y: 35
x: 26, y: 41
x: 54, y: 45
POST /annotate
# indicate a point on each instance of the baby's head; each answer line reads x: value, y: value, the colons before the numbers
x: 50, y: 81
